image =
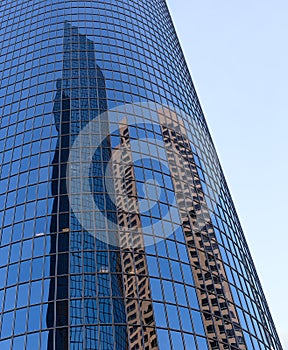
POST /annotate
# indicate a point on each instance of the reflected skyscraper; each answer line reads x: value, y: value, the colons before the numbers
x: 82, y: 85
x: 117, y: 227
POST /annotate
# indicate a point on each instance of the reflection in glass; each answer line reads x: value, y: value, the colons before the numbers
x: 71, y: 114
x: 177, y: 274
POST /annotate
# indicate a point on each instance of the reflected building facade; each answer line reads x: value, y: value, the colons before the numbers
x: 89, y: 279
x: 219, y: 313
x: 159, y: 261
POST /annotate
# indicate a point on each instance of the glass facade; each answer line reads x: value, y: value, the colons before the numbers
x: 117, y: 227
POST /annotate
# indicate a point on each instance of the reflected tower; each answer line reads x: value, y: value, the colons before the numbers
x: 85, y: 288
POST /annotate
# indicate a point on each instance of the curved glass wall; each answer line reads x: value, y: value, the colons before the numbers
x: 117, y: 227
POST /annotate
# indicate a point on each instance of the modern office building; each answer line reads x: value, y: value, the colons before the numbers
x: 118, y: 231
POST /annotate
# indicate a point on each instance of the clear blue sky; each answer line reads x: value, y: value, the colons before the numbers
x: 238, y: 55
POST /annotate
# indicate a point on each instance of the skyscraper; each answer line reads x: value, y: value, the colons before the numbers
x: 117, y: 227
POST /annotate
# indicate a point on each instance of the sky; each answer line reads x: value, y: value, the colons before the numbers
x: 237, y: 54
